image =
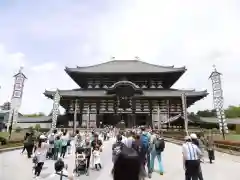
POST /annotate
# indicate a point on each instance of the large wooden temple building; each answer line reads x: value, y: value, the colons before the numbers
x: 130, y: 90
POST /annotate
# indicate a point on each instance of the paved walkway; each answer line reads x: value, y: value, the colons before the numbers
x: 14, y: 166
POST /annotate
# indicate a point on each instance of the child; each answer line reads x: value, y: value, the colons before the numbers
x: 96, y: 158
x: 57, y: 147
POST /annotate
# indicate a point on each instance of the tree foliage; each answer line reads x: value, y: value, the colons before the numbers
x: 37, y: 127
x: 207, y: 113
x: 230, y: 112
x: 35, y: 114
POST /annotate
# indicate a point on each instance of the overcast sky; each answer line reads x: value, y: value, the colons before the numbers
x: 45, y: 36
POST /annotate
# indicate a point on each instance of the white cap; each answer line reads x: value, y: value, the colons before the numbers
x: 193, y: 136
x: 187, y: 138
x: 42, y: 137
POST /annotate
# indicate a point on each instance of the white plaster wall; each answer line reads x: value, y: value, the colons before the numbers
x: 27, y: 125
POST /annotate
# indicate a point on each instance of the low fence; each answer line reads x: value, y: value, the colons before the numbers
x: 222, y: 146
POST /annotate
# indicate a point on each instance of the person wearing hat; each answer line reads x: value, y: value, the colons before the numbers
x: 191, y: 163
x: 40, y: 154
x: 195, y: 141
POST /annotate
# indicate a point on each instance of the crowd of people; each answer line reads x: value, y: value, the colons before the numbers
x: 133, y: 151
x: 136, y: 150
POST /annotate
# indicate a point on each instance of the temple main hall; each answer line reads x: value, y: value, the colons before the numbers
x: 132, y: 91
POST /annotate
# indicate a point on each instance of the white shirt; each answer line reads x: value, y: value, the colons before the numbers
x: 42, y: 152
x: 191, y: 151
x: 129, y: 141
x: 124, y: 140
x: 55, y: 176
x: 64, y: 139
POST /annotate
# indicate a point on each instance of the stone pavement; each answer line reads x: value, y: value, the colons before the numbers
x: 14, y: 166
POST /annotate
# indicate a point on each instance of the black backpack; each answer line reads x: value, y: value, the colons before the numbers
x: 159, y: 145
x: 118, y: 148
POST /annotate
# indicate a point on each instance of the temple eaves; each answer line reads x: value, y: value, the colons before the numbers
x: 126, y: 66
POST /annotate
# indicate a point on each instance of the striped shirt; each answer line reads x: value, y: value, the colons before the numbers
x: 191, y: 151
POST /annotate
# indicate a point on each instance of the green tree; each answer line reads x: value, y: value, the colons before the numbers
x: 232, y: 112
x: 37, y: 127
x: 35, y: 114
x: 207, y: 113
x: 30, y: 128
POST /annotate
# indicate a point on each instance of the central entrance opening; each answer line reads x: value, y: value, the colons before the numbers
x: 114, y: 119
x: 141, y: 119
x: 110, y: 119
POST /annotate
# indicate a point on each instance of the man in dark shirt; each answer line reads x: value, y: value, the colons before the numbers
x: 87, y: 150
x: 137, y: 146
x: 117, y: 148
x: 96, y: 142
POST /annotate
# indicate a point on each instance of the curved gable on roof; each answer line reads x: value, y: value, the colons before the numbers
x: 125, y: 66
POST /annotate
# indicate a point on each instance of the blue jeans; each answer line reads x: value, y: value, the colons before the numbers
x: 159, y: 158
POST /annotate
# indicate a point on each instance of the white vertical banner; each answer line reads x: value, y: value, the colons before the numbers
x: 55, y: 111
x: 16, y: 100
x: 184, y: 106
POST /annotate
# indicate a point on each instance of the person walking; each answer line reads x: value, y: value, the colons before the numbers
x: 30, y: 144
x: 191, y: 163
x: 195, y: 141
x: 64, y: 140
x: 210, y: 149
x: 40, y: 154
x: 158, y: 146
x: 25, y: 142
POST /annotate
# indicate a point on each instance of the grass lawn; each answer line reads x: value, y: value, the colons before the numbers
x: 15, y: 135
x: 234, y: 137
x: 231, y: 137
x: 11, y: 145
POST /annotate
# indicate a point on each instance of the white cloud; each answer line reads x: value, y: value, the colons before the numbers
x: 49, y: 66
x: 195, y: 34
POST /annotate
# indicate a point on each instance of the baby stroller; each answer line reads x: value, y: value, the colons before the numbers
x: 80, y: 162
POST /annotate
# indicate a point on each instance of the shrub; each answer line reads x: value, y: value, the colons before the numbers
x: 37, y: 127
x: 3, y: 140
x: 18, y: 129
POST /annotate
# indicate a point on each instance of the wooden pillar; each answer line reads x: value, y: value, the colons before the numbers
x: 150, y: 113
x: 133, y: 112
x: 79, y: 114
x: 98, y: 118
x: 134, y: 119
